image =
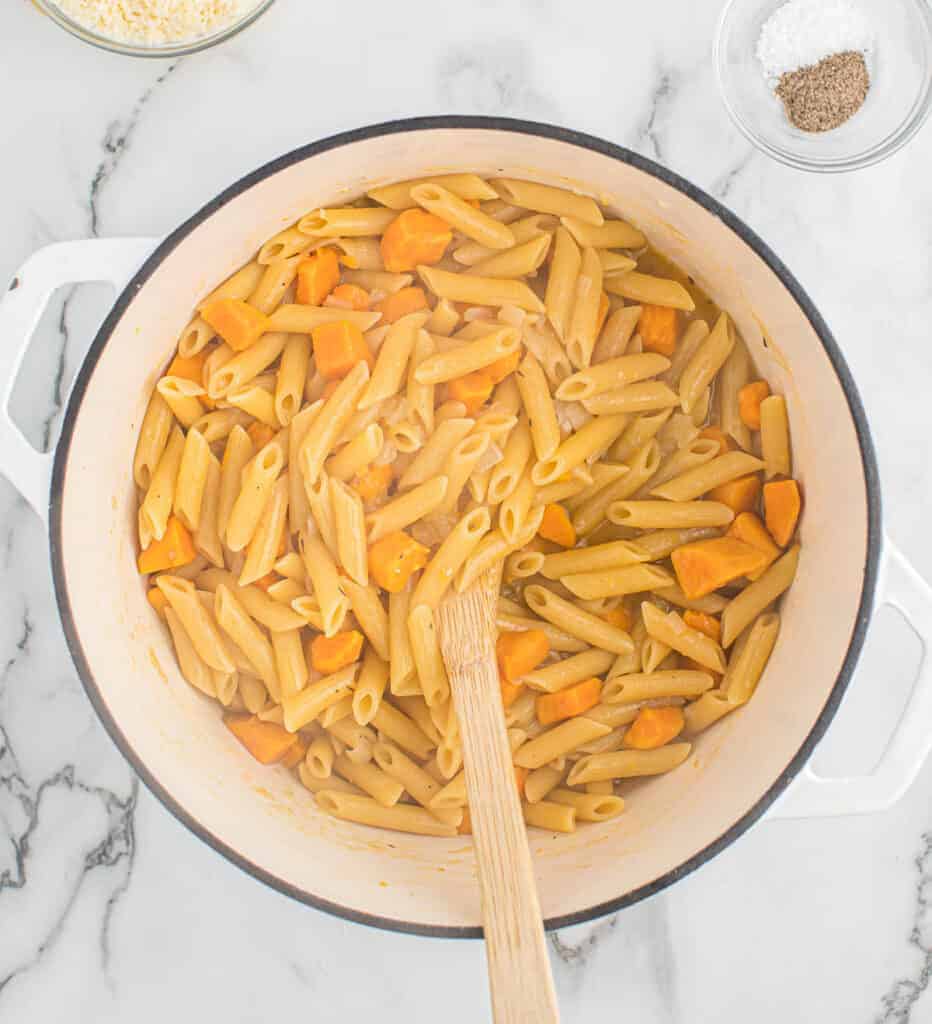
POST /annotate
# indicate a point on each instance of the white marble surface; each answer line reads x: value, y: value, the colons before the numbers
x: 109, y: 909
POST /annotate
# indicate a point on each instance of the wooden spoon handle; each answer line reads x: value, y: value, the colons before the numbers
x: 519, y: 970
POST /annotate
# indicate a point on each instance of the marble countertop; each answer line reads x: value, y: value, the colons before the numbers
x: 109, y: 909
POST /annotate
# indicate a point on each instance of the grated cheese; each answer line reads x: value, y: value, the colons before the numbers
x: 155, y: 22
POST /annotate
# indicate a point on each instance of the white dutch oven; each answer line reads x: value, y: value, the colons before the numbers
x: 262, y: 819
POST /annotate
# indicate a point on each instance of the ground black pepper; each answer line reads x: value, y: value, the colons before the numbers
x: 822, y: 96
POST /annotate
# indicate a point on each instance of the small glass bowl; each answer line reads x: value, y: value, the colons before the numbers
x: 181, y: 49
x: 897, y: 104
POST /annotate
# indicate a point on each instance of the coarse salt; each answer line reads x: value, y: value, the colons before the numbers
x: 155, y: 22
x: 803, y: 32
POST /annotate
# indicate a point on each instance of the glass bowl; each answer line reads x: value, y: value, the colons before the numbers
x: 128, y: 49
x: 897, y: 104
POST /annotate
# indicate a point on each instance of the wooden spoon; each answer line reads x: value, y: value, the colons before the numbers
x: 519, y: 970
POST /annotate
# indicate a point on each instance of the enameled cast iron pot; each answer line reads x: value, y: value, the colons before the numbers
x: 262, y: 819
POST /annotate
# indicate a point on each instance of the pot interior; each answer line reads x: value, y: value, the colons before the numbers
x: 263, y: 816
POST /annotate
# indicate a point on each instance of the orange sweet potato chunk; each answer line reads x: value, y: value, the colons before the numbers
x: 568, y: 702
x: 654, y: 727
x: 705, y: 565
x: 521, y: 652
x: 782, y: 504
x: 657, y: 326
x: 318, y: 275
x: 412, y: 238
x: 394, y: 558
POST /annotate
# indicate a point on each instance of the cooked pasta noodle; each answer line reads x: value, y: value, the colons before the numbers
x: 507, y: 379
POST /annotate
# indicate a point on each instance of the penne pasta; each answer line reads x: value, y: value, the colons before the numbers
x: 539, y: 409
x: 207, y: 535
x: 370, y: 614
x: 587, y: 443
x: 425, y: 649
x: 402, y: 674
x: 450, y: 555
x: 568, y: 671
x: 194, y: 338
x: 197, y: 622
x: 303, y: 707
x: 367, y: 697
x: 561, y: 739
x: 706, y: 362
x: 517, y: 261
x: 617, y: 333
x: 667, y: 515
x: 671, y: 630
x: 399, y: 728
x: 542, y: 781
x: 217, y: 425
x: 550, y: 816
x: 544, y: 403
x: 392, y: 361
x: 350, y: 521
x: 628, y: 689
x: 646, y: 396
x: 748, y: 663
x: 628, y: 764
x: 467, y: 186
x: 611, y: 375
x: 561, y: 282
x: 588, y: 806
x: 322, y: 572
x: 430, y: 461
x: 541, y: 341
x: 611, y: 234
x: 258, y: 479
x: 616, y: 582
x: 584, y: 320
x: 317, y: 499
x: 292, y: 377
x: 758, y: 596
x: 547, y: 199
x: 407, y: 508
x: 704, y: 478
x: 585, y: 626
x: 461, y: 216
x: 475, y: 355
x: 734, y: 375
x: 245, y: 366
x: 706, y: 711
x: 365, y: 811
x: 153, y: 438
x: 348, y: 222
x: 641, y: 468
x: 462, y: 462
x: 240, y: 627
x: 262, y: 551
x: 295, y: 318
x: 505, y: 476
x: 643, y: 288
x: 480, y: 291
x: 420, y: 397
x: 775, y: 437
x: 192, y: 479
x: 693, y: 337
x: 183, y: 398
x: 290, y: 663
x: 328, y: 425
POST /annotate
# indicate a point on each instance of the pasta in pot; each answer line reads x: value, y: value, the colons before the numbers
x: 400, y: 394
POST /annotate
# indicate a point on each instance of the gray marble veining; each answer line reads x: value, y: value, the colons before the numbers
x: 109, y: 909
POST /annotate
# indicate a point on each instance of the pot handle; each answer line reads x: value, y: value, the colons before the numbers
x: 113, y: 260
x: 811, y: 795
